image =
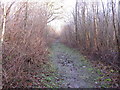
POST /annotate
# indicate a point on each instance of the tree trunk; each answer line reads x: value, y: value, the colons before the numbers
x: 26, y: 14
x: 105, y: 24
x: 119, y: 33
x: 4, y: 24
x: 76, y: 17
x: 115, y: 31
x: 95, y: 28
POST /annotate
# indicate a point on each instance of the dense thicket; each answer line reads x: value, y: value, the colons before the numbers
x: 24, y: 40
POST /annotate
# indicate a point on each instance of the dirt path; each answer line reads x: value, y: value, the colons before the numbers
x: 73, y: 69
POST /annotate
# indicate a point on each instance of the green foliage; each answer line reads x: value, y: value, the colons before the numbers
x: 90, y: 69
x: 105, y: 86
x: 108, y: 79
x: 99, y: 72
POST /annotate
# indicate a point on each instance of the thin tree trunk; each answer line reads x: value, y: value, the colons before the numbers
x: 105, y: 24
x: 26, y: 14
x: 119, y: 32
x: 76, y: 17
x: 95, y: 28
x: 4, y: 24
x: 87, y: 36
x: 115, y: 32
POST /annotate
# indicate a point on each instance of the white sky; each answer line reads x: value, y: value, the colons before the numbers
x: 68, y: 6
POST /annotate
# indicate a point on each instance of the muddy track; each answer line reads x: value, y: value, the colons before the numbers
x: 73, y: 69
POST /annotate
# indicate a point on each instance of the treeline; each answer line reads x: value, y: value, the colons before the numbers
x: 24, y: 40
x: 93, y: 28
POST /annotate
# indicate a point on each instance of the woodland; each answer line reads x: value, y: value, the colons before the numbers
x: 31, y: 48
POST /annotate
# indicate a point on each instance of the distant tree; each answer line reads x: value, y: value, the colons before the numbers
x: 118, y: 32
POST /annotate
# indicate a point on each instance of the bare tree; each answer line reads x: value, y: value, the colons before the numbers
x: 96, y: 33
x: 6, y: 11
x: 118, y: 31
x: 76, y: 18
x: 115, y: 29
